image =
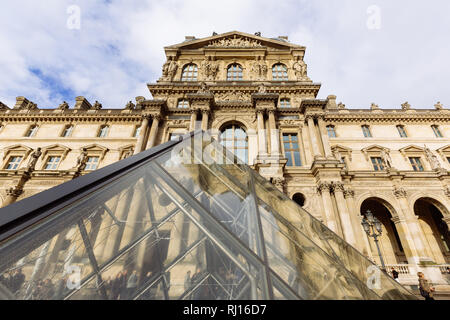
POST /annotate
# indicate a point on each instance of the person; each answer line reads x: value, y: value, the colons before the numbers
x: 132, y: 284
x: 426, y: 290
x: 187, y: 280
x: 395, y: 274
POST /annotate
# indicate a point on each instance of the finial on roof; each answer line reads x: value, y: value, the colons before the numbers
x: 258, y: 34
x: 214, y: 33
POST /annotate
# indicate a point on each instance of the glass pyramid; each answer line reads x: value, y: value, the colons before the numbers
x: 184, y: 220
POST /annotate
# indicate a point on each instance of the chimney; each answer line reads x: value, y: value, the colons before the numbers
x: 81, y: 103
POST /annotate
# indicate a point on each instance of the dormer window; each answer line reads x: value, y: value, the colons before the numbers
x: 67, y: 132
x: 103, y: 132
x: 402, y: 131
x: 31, y: 131
x: 366, y: 131
x: 234, y: 72
x: 279, y: 72
x: 189, y: 73
x: 437, y: 131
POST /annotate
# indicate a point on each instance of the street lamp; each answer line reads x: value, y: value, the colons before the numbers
x: 372, y: 226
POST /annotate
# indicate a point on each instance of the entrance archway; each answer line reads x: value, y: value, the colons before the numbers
x: 390, y: 245
x: 434, y: 228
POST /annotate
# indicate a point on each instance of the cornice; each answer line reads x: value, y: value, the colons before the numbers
x: 69, y: 116
x: 395, y: 116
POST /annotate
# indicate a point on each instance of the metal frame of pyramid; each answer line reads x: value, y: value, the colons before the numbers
x: 183, y: 220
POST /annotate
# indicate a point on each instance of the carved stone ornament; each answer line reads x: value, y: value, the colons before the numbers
x: 323, y: 186
x: 439, y: 106
x: 14, y: 192
x: 337, y: 186
x: 169, y: 69
x: 374, y: 106
x: 432, y: 159
x: 33, y: 160
x: 300, y: 69
x: 447, y: 191
x: 233, y: 96
x: 97, y: 106
x: 399, y: 192
x: 236, y: 41
x: 259, y: 69
x: 203, y: 88
x: 63, y: 106
x: 341, y: 105
x: 130, y: 106
x: 349, y: 193
x: 406, y: 106
x: 209, y: 68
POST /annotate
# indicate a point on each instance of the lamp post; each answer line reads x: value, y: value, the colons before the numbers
x: 372, y: 226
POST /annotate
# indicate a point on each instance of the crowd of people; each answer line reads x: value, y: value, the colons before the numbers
x: 13, y: 280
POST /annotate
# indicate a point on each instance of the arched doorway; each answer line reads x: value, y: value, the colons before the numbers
x: 299, y: 198
x: 434, y: 228
x: 390, y: 245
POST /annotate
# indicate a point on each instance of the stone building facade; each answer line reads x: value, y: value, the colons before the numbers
x: 254, y: 95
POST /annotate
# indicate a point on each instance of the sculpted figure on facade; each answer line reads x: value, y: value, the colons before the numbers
x: 432, y: 159
x: 235, y: 42
x: 341, y: 106
x: 33, y: 160
x: 81, y: 160
x: 386, y: 159
x: 438, y: 106
x: 203, y: 88
x: 63, y: 106
x: 406, y: 106
x: 259, y: 69
x: 210, y: 68
x: 300, y: 69
x: 97, y: 106
x: 130, y: 106
x: 374, y: 106
x: 169, y: 69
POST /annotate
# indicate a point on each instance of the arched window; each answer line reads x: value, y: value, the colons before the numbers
x: 235, y: 139
x: 285, y: 103
x: 299, y: 199
x: 234, y: 72
x: 189, y: 73
x: 279, y: 72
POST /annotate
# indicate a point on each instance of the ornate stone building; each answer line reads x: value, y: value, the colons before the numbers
x: 254, y: 95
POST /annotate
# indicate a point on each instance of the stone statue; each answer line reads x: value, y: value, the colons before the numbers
x: 63, y: 106
x: 300, y: 69
x: 33, y: 160
x: 97, y: 105
x: 165, y: 69
x: 374, y: 106
x: 387, y: 161
x: 81, y: 160
x: 262, y: 88
x: 259, y: 69
x: 172, y: 69
x: 406, y: 106
x: 203, y: 88
x: 210, y: 68
x: 432, y: 159
x: 130, y: 105
x: 439, y: 106
x: 258, y: 34
x: 341, y: 105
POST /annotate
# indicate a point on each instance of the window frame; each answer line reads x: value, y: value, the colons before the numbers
x: 5, y: 167
x: 378, y: 163
x: 66, y: 127
x: 233, y: 148
x: 367, y: 133
x: 137, y: 131
x: 92, y: 156
x: 292, y: 150
x: 285, y: 103
x: 102, y: 127
x: 402, y: 131
x: 189, y: 74
x: 333, y: 130
x: 416, y: 165
x: 183, y: 104
x: 280, y: 75
x: 48, y: 158
x: 235, y: 74
x: 31, y: 131
x: 437, y: 131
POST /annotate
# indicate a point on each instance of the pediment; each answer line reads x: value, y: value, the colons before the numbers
x: 97, y: 150
x: 56, y: 148
x: 18, y: 149
x: 374, y: 148
x: 445, y: 149
x: 235, y: 39
x: 411, y: 148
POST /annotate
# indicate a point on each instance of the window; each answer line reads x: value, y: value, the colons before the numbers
x: 190, y: 72
x: 234, y: 138
x: 436, y: 131
x: 331, y: 131
x: 13, y: 163
x: 279, y: 72
x: 137, y: 131
x: 103, y: 131
x: 67, y: 132
x: 52, y: 163
x: 174, y: 136
x: 91, y: 163
x: 377, y: 163
x: 234, y: 72
x: 402, y: 131
x: 448, y: 159
x: 285, y: 103
x: 183, y: 104
x: 416, y: 163
x: 291, y: 149
x: 366, y: 131
x: 31, y: 131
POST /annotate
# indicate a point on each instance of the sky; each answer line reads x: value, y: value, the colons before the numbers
x: 385, y: 52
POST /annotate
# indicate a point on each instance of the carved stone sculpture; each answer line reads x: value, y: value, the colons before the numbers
x: 300, y: 69
x: 81, y: 160
x: 386, y: 159
x: 63, y: 106
x: 33, y: 160
x: 259, y: 69
x: 432, y: 159
x: 406, y: 106
x: 130, y: 105
x: 236, y: 41
x: 210, y: 68
x: 439, y: 106
x: 97, y: 106
x: 374, y: 106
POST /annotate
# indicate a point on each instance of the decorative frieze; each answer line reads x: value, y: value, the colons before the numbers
x: 236, y: 42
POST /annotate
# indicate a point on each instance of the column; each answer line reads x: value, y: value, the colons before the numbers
x: 324, y: 136
x: 330, y: 221
x: 140, y: 142
x: 193, y: 120
x: 344, y: 215
x: 363, y: 246
x: 313, y: 138
x: 262, y: 145
x: 303, y: 134
x: 205, y: 114
x: 153, y: 132
x: 274, y: 135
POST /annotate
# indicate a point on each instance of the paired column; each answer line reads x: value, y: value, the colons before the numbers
x: 153, y: 131
x: 313, y: 138
x: 205, y: 118
x: 324, y: 136
x: 193, y: 120
x: 344, y: 216
x: 330, y: 221
x: 142, y: 133
x: 274, y: 136
x: 262, y: 145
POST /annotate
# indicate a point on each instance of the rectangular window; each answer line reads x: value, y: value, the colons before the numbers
x: 137, y: 131
x: 52, y: 163
x: 31, y: 131
x: 13, y: 163
x: 67, y: 131
x: 103, y: 131
x: 291, y: 149
x: 285, y: 103
x: 331, y: 131
x: 402, y: 131
x: 436, y: 131
x: 377, y: 163
x: 183, y: 104
x: 416, y: 163
x: 366, y: 131
x: 91, y: 163
x: 448, y: 159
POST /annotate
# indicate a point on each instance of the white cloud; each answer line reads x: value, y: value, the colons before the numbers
x: 119, y: 47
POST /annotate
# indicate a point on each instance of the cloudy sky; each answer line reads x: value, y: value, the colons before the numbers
x: 386, y: 52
